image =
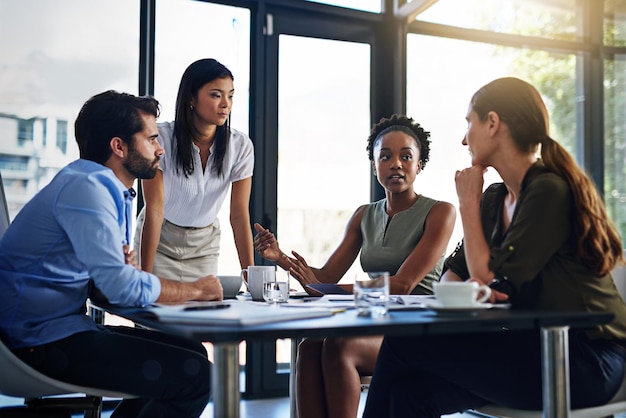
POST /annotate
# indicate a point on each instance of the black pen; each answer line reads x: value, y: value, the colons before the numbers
x: 206, y: 307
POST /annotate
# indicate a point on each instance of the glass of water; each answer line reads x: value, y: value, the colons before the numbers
x: 276, y: 287
x: 371, y: 294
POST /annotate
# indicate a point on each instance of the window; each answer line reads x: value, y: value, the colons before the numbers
x: 615, y: 113
x: 13, y: 163
x: 24, y: 132
x: 323, y: 124
x: 438, y: 97
x: 615, y: 23
x: 615, y: 140
x: 552, y: 19
x: 69, y: 53
x: 62, y: 136
x: 551, y: 44
x: 365, y: 5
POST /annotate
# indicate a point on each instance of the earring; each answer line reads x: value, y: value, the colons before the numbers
x: 191, y: 106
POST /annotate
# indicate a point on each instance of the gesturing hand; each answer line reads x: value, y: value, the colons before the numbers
x: 265, y: 244
x: 301, y: 270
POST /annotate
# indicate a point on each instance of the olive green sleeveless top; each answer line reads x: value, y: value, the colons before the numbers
x: 388, y: 242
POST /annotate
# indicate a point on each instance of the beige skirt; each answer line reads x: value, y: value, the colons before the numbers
x: 184, y: 253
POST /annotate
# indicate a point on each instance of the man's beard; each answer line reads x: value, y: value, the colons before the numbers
x: 138, y: 166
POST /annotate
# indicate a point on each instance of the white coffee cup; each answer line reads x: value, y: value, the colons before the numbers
x: 255, y: 279
x: 230, y: 285
x: 461, y: 294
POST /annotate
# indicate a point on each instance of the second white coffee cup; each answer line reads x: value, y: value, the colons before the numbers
x: 255, y: 279
x: 461, y: 294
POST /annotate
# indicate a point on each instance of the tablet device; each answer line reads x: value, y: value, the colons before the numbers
x: 328, y: 289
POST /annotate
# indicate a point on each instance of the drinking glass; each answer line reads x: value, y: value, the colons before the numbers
x: 276, y: 287
x: 371, y: 294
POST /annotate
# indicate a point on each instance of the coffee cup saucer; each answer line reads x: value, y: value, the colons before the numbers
x: 436, y: 306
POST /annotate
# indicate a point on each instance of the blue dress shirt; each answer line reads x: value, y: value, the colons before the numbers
x: 63, y: 242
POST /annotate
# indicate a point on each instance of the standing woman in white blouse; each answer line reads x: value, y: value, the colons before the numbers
x: 178, y: 232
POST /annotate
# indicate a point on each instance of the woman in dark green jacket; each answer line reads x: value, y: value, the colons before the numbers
x: 542, y: 240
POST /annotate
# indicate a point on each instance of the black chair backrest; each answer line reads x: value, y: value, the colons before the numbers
x: 5, y: 220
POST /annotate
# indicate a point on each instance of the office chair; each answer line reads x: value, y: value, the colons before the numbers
x: 22, y: 381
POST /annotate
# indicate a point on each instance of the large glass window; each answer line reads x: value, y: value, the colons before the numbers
x: 552, y: 19
x: 323, y: 169
x: 615, y: 140
x: 615, y: 114
x: 55, y: 55
x: 559, y: 77
x: 438, y: 98
x: 615, y: 22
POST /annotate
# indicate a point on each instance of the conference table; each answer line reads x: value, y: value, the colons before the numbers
x: 553, y: 326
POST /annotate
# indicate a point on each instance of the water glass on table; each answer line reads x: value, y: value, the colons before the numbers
x: 276, y: 288
x: 371, y: 294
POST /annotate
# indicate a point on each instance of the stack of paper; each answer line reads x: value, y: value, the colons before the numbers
x: 233, y: 312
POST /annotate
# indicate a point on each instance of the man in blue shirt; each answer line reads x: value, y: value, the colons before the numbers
x: 70, y: 242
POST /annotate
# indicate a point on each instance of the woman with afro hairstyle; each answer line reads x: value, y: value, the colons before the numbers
x: 405, y: 234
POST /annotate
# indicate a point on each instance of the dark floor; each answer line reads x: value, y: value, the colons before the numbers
x: 263, y: 408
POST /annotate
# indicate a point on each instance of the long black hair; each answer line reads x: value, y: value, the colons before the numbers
x: 195, y: 76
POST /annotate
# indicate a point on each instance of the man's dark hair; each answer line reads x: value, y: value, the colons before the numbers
x: 108, y: 115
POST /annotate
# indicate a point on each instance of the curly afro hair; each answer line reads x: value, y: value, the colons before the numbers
x: 404, y: 124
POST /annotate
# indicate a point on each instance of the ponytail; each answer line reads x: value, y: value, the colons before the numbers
x: 599, y: 245
x: 520, y: 106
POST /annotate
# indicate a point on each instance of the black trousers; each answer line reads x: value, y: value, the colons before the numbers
x: 169, y: 375
x: 429, y: 376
